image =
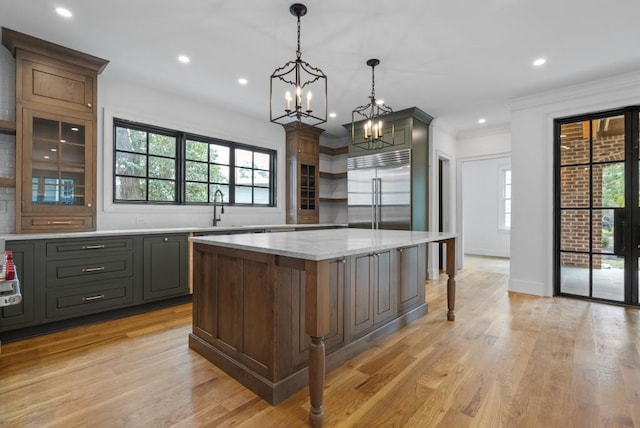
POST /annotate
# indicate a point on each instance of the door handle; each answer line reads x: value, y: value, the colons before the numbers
x: 373, y: 203
x: 379, y: 201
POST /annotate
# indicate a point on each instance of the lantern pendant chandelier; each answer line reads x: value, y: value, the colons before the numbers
x: 291, y: 94
x: 369, y: 118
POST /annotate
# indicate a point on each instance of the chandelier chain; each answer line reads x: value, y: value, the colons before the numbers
x: 373, y: 83
x: 298, y: 52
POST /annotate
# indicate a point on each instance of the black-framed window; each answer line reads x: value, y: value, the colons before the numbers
x: 145, y: 164
x: 201, y: 166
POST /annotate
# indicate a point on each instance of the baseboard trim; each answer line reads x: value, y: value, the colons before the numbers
x: 528, y: 287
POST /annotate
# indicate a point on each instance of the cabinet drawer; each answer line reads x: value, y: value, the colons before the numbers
x: 89, y: 247
x: 91, y: 269
x: 86, y: 300
x: 57, y: 85
x: 57, y: 224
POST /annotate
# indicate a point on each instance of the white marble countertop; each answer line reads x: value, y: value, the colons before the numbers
x: 323, y: 244
x: 152, y: 231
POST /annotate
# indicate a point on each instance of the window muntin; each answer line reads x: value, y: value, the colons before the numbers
x: 206, y: 170
x: 146, y: 163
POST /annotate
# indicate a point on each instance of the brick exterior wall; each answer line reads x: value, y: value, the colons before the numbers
x: 575, y: 192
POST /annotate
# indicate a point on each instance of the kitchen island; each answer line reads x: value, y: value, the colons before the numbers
x: 267, y: 306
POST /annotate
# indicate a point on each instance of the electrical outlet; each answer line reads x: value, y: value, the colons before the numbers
x: 139, y: 220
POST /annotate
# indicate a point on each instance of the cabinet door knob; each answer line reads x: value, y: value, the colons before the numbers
x: 166, y: 239
x: 89, y: 105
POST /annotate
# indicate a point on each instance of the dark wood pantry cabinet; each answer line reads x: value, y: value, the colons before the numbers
x: 303, y: 174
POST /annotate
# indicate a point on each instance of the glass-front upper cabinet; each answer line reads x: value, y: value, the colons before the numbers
x: 59, y: 165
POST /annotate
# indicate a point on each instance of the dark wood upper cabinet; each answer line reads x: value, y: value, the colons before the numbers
x: 303, y: 174
x: 56, y: 135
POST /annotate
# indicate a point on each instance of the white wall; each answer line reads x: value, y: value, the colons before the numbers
x: 7, y: 142
x: 481, y: 207
x: 532, y: 166
x: 121, y: 99
x: 443, y: 146
x: 485, y: 151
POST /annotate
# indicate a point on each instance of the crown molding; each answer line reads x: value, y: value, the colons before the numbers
x: 622, y: 82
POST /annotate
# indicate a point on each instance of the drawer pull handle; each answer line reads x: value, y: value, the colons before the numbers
x: 59, y: 222
x: 92, y: 298
x: 92, y: 247
x: 95, y: 269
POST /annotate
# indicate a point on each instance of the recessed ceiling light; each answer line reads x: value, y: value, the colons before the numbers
x: 539, y: 62
x: 242, y: 81
x: 332, y: 115
x: 482, y: 120
x: 183, y: 59
x: 64, y: 12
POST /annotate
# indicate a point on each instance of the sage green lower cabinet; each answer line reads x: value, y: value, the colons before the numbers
x: 165, y: 266
x: 22, y: 314
x: 85, y: 276
x: 63, y: 278
x: 89, y: 298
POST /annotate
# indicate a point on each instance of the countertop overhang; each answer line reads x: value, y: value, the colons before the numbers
x: 324, y: 244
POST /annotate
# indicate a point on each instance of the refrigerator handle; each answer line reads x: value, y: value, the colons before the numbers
x: 379, y: 204
x: 374, y: 192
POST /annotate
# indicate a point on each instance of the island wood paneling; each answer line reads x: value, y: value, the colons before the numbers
x: 250, y: 313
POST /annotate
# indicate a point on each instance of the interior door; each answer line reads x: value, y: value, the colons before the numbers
x: 597, y: 220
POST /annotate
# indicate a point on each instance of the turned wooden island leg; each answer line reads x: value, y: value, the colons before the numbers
x: 317, y: 326
x: 451, y: 282
x: 316, y: 372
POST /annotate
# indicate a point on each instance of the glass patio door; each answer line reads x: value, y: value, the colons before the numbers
x: 597, y: 215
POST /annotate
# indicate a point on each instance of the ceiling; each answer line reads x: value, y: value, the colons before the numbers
x: 457, y: 60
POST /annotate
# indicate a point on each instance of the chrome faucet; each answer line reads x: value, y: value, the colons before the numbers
x: 216, y: 217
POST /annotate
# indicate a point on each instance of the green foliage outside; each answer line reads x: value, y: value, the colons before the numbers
x: 206, y: 168
x: 612, y: 197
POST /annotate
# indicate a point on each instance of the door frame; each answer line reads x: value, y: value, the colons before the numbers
x: 632, y: 207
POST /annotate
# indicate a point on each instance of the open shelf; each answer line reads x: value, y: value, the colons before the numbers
x: 333, y: 174
x: 7, y: 182
x: 334, y: 150
x: 333, y: 199
x: 7, y: 127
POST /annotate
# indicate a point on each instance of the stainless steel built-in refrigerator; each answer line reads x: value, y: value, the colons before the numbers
x: 379, y: 190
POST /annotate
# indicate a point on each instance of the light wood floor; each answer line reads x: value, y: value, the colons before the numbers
x: 508, y: 360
